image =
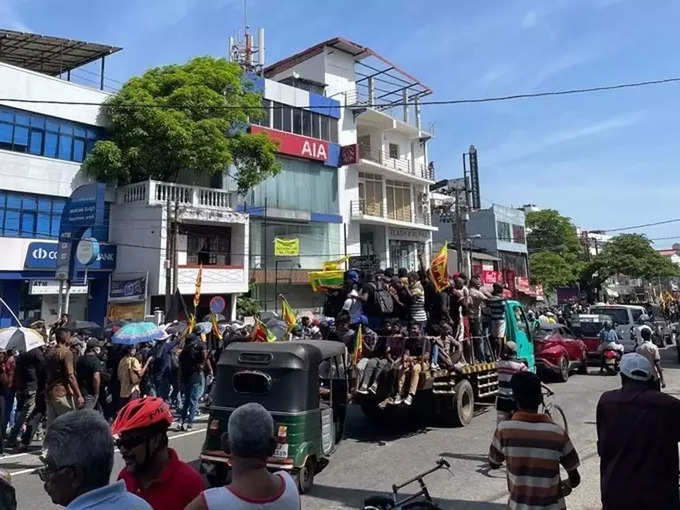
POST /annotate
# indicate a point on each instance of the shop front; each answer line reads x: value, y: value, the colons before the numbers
x: 28, y: 286
x: 405, y: 247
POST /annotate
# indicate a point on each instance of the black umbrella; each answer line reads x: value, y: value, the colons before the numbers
x: 176, y: 328
x: 219, y: 316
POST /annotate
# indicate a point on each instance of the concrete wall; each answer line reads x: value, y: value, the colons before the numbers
x: 16, y: 82
x: 37, y: 174
x: 482, y: 222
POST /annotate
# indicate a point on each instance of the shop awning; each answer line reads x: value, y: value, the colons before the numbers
x: 482, y: 256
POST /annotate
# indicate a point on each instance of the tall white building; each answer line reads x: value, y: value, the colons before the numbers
x: 42, y: 147
x: 385, y: 173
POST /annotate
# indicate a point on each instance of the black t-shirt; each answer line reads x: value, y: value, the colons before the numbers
x: 30, y: 367
x: 417, y: 346
x: 86, y: 367
x: 192, y: 358
x: 370, y: 306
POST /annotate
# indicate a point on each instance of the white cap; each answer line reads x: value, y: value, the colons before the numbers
x: 636, y: 366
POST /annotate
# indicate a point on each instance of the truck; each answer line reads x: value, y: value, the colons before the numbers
x: 450, y: 396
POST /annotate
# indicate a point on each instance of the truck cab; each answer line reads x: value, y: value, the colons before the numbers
x: 518, y: 330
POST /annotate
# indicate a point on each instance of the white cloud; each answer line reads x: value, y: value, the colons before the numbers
x: 529, y: 19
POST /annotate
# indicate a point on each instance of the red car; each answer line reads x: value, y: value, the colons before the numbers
x: 558, y: 351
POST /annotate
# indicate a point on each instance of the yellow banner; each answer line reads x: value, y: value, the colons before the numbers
x: 286, y: 247
x: 126, y: 311
x: 438, y: 269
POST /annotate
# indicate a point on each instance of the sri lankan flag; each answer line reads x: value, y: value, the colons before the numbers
x: 216, y: 329
x: 438, y: 269
x: 288, y: 314
x: 261, y: 333
x: 197, y: 297
x: 358, y: 345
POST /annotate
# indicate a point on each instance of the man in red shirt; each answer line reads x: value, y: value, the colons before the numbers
x: 152, y: 470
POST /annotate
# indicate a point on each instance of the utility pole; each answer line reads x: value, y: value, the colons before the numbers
x: 168, y: 255
x: 175, y: 237
x: 459, y: 234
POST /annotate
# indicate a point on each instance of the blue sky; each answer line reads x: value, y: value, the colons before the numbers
x: 607, y: 159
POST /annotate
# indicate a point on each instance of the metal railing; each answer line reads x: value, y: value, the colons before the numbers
x: 361, y: 208
x: 404, y: 165
x: 159, y: 192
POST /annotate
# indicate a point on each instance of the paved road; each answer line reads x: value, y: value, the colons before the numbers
x: 370, y: 461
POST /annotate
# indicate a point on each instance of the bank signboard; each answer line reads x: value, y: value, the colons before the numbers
x: 43, y: 255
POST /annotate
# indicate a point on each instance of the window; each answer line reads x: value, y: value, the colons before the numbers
x: 297, y: 121
x: 254, y: 382
x: 306, y: 123
x: 325, y: 126
x: 370, y: 194
x: 266, y: 108
x: 399, y: 200
x: 315, y: 125
x: 278, y: 116
x: 521, y: 320
x: 45, y: 136
x: 334, y: 130
x: 287, y: 118
x: 518, y: 234
x: 27, y: 215
x: 210, y: 246
x: 503, y: 231
x: 394, y: 151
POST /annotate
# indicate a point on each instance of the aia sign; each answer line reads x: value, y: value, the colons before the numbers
x: 296, y: 145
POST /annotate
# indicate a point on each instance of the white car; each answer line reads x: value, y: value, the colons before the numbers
x: 625, y: 318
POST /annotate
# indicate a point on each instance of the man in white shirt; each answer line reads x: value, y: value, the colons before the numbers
x: 651, y: 352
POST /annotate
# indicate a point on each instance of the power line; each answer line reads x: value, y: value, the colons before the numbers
x: 664, y: 222
x: 509, y: 97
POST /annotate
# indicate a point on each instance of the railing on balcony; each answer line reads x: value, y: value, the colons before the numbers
x: 158, y: 192
x: 361, y: 208
x: 382, y: 157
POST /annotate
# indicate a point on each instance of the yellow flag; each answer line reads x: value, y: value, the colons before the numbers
x: 358, y: 345
x: 334, y: 265
x: 288, y: 314
x: 438, y: 269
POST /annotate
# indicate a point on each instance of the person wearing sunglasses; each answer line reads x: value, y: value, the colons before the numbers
x: 77, y: 477
x: 152, y: 470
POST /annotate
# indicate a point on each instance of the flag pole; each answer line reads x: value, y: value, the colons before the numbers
x: 10, y: 311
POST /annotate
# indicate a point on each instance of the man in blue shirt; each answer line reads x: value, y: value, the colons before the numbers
x: 161, y: 368
x: 609, y: 340
x: 78, y: 477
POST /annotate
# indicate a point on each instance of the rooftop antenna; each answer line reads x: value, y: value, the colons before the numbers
x: 243, y: 51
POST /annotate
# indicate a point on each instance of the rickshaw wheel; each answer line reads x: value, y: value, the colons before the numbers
x: 305, y: 476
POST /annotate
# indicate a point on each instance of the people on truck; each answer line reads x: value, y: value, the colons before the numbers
x: 496, y: 307
x: 415, y: 358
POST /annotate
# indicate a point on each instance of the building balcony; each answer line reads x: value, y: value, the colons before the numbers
x: 215, y: 279
x: 374, y: 213
x: 380, y: 160
x: 160, y: 193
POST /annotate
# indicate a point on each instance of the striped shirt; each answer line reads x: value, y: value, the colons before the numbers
x: 506, y: 368
x: 533, y: 448
x: 496, y: 307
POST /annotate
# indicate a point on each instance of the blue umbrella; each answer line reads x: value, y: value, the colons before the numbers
x: 137, y: 332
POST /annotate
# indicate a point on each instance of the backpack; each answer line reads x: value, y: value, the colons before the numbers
x: 192, y: 357
x: 383, y: 298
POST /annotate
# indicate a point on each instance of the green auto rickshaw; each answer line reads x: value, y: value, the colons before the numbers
x: 303, y: 384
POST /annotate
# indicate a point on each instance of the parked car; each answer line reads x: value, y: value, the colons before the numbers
x: 558, y: 351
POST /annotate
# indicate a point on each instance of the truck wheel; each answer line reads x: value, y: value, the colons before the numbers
x: 463, y: 403
x: 564, y: 369
x: 305, y: 476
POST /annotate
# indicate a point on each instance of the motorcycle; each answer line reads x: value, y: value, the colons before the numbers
x: 420, y: 500
x: 611, y: 361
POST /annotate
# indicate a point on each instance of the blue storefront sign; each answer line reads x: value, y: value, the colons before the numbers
x: 128, y: 289
x: 43, y: 255
x: 84, y: 209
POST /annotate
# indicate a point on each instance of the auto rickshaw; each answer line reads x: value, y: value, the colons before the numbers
x: 303, y: 384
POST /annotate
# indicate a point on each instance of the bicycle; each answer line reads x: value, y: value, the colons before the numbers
x: 410, y: 502
x: 554, y: 411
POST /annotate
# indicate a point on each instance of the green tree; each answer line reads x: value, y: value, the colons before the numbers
x: 188, y: 118
x: 631, y: 255
x: 551, y: 270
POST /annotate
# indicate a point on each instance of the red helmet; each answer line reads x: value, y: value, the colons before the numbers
x: 141, y: 413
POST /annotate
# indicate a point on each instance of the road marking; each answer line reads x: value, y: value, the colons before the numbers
x: 170, y: 438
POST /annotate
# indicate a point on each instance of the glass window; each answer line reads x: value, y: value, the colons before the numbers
x: 12, y: 223
x: 315, y: 125
x: 66, y: 127
x: 58, y: 206
x: 287, y: 118
x: 35, y: 146
x: 20, y: 138
x: 503, y: 231
x: 51, y: 140
x: 92, y: 133
x: 333, y: 130
x: 266, y: 108
x: 21, y: 118
x: 89, y: 146
x: 78, y: 149
x: 6, y: 135
x: 306, y: 123
x: 394, y: 151
x: 56, y: 222
x: 52, y: 125
x: 38, y: 121
x: 65, y: 142
x: 297, y: 121
x: 325, y: 125
x: 43, y: 227
x: 29, y: 203
x: 79, y: 131
x: 278, y: 116
x: 27, y: 224
x: 518, y: 234
x: 6, y: 115
x: 13, y: 201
